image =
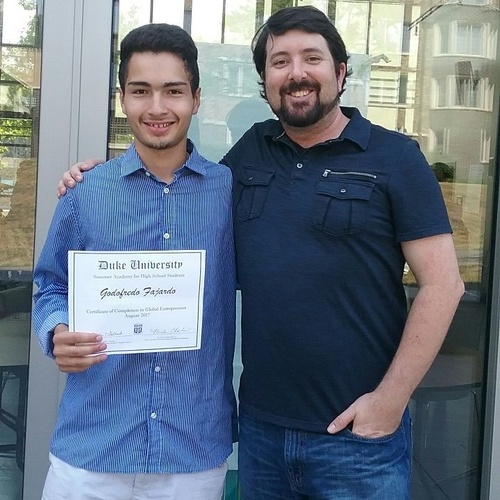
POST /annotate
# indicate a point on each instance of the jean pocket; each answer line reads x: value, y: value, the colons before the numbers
x: 250, y: 192
x: 379, y: 439
x: 341, y: 206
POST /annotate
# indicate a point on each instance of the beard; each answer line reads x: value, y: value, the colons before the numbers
x: 160, y: 145
x: 304, y: 115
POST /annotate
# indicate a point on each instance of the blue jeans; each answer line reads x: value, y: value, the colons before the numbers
x: 276, y: 463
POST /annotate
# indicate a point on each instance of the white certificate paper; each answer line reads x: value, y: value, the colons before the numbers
x: 138, y: 301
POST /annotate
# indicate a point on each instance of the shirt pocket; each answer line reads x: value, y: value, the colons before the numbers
x: 342, y: 205
x: 250, y: 192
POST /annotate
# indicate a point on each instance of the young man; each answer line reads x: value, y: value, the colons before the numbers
x: 333, y: 206
x: 149, y: 425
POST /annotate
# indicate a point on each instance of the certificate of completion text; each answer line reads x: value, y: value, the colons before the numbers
x: 138, y: 301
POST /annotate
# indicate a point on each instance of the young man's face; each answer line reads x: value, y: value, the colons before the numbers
x: 158, y: 101
x: 300, y: 81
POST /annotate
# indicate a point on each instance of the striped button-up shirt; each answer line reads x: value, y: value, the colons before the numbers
x: 166, y: 412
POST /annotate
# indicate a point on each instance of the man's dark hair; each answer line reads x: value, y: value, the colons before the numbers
x: 158, y: 38
x: 306, y: 18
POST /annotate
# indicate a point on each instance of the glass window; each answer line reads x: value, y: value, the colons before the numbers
x: 386, y: 30
x: 387, y: 117
x: 433, y: 82
x: 19, y: 111
x: 444, y: 38
x: 351, y: 20
x: 469, y: 39
x: 438, y: 94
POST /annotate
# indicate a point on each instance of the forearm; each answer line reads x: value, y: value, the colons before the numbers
x: 50, y: 309
x: 50, y: 275
x: 434, y: 265
x: 426, y: 327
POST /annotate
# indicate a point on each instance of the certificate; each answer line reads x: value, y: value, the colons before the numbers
x: 138, y: 301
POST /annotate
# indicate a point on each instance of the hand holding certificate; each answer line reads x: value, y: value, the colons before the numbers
x: 138, y: 301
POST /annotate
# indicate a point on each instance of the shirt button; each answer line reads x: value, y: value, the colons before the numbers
x: 166, y: 190
x: 157, y: 369
x: 166, y: 236
x: 343, y: 190
x: 148, y: 174
x: 299, y: 165
x: 153, y: 415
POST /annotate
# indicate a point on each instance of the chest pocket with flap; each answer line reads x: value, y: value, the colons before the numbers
x: 341, y: 205
x: 250, y: 192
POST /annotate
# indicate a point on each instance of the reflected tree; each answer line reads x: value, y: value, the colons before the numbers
x: 281, y: 4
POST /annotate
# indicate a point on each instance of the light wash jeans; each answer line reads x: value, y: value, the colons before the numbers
x: 276, y: 463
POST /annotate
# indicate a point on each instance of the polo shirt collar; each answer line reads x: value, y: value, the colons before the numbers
x: 357, y: 130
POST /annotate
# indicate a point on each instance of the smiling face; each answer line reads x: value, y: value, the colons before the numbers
x: 158, y: 102
x: 301, y: 85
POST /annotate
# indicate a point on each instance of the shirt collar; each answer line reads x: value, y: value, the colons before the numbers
x: 195, y: 161
x: 131, y: 162
x: 357, y: 130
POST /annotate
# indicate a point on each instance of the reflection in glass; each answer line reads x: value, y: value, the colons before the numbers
x: 421, y: 68
x: 19, y: 111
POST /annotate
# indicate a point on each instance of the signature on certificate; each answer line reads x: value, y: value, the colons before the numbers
x: 175, y: 329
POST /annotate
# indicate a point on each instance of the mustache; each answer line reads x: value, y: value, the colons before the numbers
x: 297, y: 86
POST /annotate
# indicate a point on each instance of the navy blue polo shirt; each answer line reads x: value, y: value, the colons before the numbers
x: 320, y: 265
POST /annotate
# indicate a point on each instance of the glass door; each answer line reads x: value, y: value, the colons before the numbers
x: 427, y: 70
x: 20, y: 25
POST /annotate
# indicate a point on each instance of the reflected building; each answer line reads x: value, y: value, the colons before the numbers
x: 457, y: 101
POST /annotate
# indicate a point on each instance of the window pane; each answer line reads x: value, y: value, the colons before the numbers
x: 239, y: 22
x: 351, y: 19
x: 386, y: 34
x: 173, y: 10
x: 19, y: 112
x: 207, y: 21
